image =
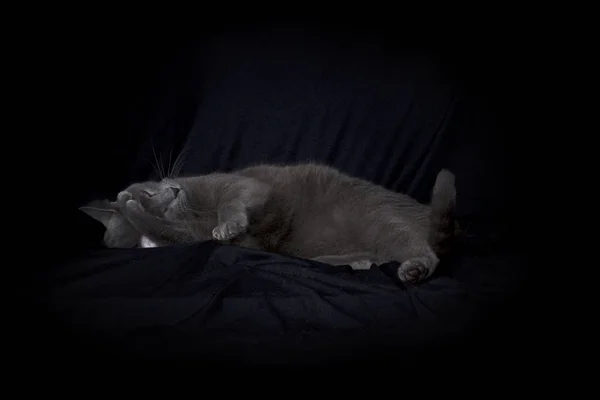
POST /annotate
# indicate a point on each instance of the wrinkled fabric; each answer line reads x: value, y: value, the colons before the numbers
x: 194, y: 300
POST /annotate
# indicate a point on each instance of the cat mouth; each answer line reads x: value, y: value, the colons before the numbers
x: 175, y: 191
x: 173, y: 202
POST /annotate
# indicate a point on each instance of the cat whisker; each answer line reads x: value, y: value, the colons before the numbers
x: 178, y: 164
x: 153, y: 166
x: 158, y: 171
x: 181, y: 158
x: 169, y: 164
x: 162, y: 167
x: 176, y: 168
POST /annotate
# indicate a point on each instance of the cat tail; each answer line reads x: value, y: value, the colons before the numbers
x: 442, y: 224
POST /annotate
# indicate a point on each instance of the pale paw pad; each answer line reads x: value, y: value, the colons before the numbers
x: 414, y: 270
x: 227, y: 230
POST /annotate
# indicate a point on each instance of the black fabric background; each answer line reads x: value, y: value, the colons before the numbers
x: 363, y: 101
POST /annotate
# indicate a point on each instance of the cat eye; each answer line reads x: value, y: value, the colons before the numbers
x: 147, y: 193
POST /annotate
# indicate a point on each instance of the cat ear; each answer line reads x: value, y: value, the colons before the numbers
x: 100, y: 210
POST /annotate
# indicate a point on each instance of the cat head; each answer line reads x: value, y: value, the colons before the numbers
x: 119, y: 232
x: 164, y: 198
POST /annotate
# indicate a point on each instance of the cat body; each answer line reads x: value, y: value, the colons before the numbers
x: 309, y: 211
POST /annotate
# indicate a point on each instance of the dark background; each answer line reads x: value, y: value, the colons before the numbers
x: 109, y: 89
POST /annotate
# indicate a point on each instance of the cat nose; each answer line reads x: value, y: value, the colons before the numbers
x: 175, y: 191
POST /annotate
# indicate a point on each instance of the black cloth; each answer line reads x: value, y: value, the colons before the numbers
x: 390, y: 114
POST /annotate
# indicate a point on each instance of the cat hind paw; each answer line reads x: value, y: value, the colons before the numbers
x: 415, y: 270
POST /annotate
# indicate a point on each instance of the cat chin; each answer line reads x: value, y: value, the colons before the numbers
x: 172, y: 211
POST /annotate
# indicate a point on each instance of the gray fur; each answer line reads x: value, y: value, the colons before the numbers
x: 119, y: 232
x: 309, y: 211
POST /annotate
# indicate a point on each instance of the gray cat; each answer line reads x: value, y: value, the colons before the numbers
x: 309, y: 211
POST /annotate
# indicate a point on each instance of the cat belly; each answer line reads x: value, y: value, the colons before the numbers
x: 315, y: 238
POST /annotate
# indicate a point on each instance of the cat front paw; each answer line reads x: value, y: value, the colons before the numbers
x: 123, y: 196
x: 134, y: 206
x: 228, y: 230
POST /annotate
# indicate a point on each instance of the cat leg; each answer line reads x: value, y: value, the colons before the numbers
x: 357, y: 261
x: 157, y: 229
x: 235, y: 203
x: 233, y: 221
x: 397, y: 239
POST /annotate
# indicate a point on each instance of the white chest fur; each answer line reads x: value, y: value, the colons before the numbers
x: 145, y: 242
